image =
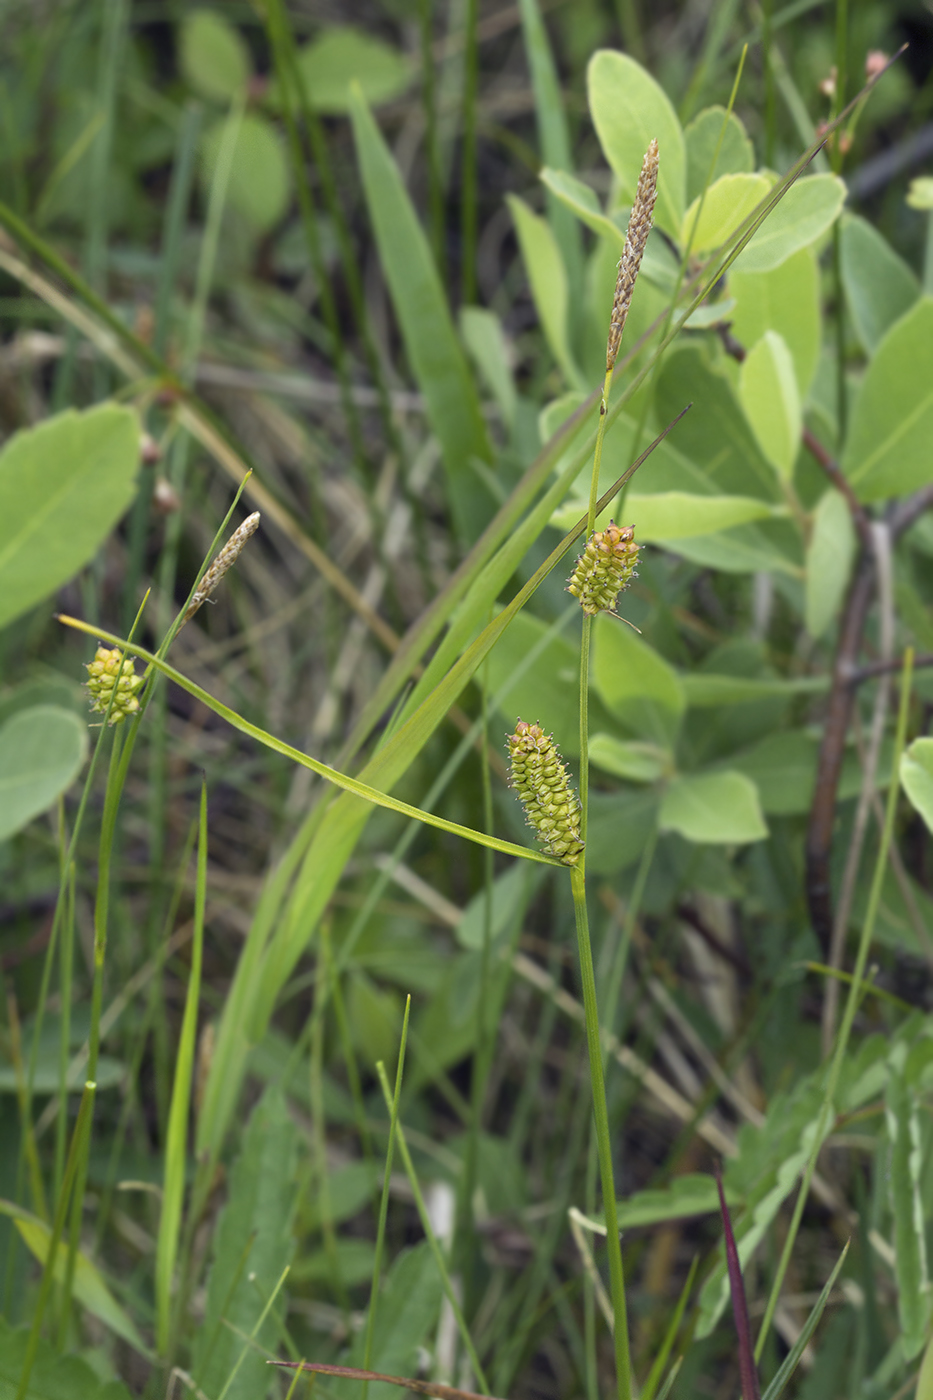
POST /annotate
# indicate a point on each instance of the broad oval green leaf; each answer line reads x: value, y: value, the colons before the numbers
x: 925, y: 1379
x: 628, y: 758
x: 344, y: 55
x: 42, y: 751
x: 548, y: 692
x: 879, y: 285
x: 830, y: 552
x: 548, y: 278
x: 787, y: 300
x: 888, y: 448
x: 713, y: 809
x: 770, y: 398
x: 713, y: 689
x: 213, y: 55
x: 63, y: 487
x: 635, y: 682
x: 583, y: 201
x: 430, y: 340
x: 728, y: 204
x: 260, y: 183
x: 629, y: 109
x: 735, y: 155
x: 917, y: 777
x: 674, y: 515
x: 807, y: 210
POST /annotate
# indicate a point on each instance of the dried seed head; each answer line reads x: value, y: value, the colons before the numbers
x: 225, y: 560
x: 540, y: 779
x: 109, y: 671
x: 639, y: 226
x: 606, y: 566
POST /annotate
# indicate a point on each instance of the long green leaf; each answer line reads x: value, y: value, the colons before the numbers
x: 431, y: 343
x: 173, y: 1184
x: 789, y: 1365
x: 340, y: 780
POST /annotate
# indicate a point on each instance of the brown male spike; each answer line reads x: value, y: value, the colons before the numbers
x: 639, y: 226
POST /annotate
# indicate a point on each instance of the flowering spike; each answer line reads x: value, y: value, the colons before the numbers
x: 540, y: 779
x: 109, y: 670
x: 639, y: 226
x: 224, y: 561
x: 606, y: 566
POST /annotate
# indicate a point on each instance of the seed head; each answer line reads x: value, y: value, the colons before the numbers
x: 540, y: 779
x: 108, y: 671
x: 639, y: 226
x: 225, y: 560
x: 606, y: 566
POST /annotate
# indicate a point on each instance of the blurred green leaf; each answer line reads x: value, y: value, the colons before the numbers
x: 629, y: 109
x: 548, y: 278
x: 807, y: 210
x: 635, y: 682
x: 63, y: 487
x: 408, y: 1305
x: 830, y: 552
x: 638, y: 762
x: 715, y: 434
x: 54, y: 1377
x: 783, y: 769
x: 887, y: 452
x: 917, y: 777
x: 510, y: 894
x: 42, y: 751
x: 213, y: 55
x: 925, y: 1379
x: 785, y: 299
x: 712, y: 689
x: 251, y: 1246
x: 427, y: 330
x: 768, y: 390
x: 673, y: 515
x: 549, y: 690
x: 727, y: 204
x: 582, y: 199
x: 260, y: 183
x: 879, y: 285
x: 342, y: 55
x: 486, y: 341
x: 905, y: 1167
x: 736, y: 156
x: 88, y: 1285
x: 713, y: 808
x: 375, y: 1017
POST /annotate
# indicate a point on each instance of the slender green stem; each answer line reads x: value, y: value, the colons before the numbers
x: 384, y: 1201
x: 852, y: 1002
x: 603, y: 1141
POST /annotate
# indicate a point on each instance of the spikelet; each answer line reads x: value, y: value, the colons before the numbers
x: 639, y: 226
x: 107, y: 671
x: 606, y: 566
x: 224, y: 561
x: 540, y: 779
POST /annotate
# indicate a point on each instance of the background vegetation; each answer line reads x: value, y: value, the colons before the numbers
x: 390, y: 302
